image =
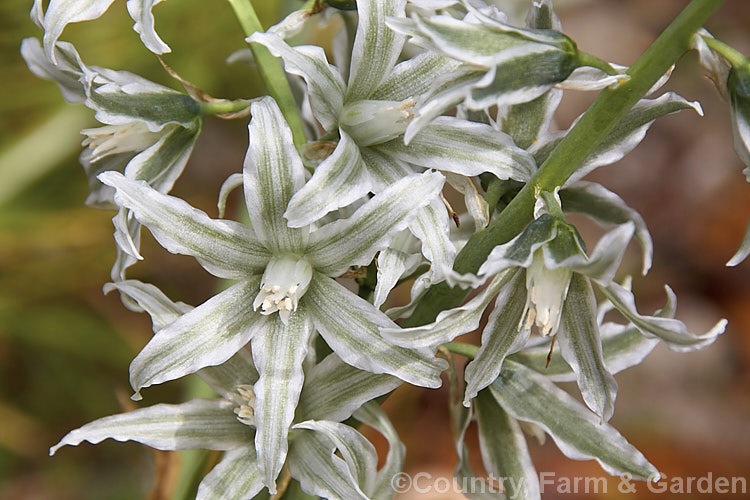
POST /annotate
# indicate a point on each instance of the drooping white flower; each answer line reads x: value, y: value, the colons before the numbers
x: 281, y: 269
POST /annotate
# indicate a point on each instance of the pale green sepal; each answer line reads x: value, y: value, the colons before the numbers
x: 351, y: 326
x: 321, y: 473
x: 372, y: 415
x: 588, y: 78
x: 580, y: 435
x: 623, y: 347
x: 356, y: 459
x: 273, y: 173
x: 65, y: 72
x: 231, y: 183
x: 630, y: 131
x: 149, y: 298
x: 325, y: 85
x: 339, y: 180
x: 124, y: 260
x: 163, y: 162
x: 392, y: 265
x: 581, y: 347
x: 127, y: 233
x: 449, y: 323
x: 60, y: 13
x: 414, y: 77
x: 278, y: 354
x: 355, y: 240
x: 672, y: 332
x: 235, y: 477
x: 527, y: 122
x: 431, y: 227
x: 504, y: 452
x: 206, y: 336
x: 376, y: 47
x: 384, y: 170
x: 140, y: 11
x: 608, y: 209
x: 743, y: 251
x: 464, y: 148
x: 520, y: 250
x: 604, y: 260
x: 334, y: 390
x: 225, y: 248
x: 503, y: 335
x: 718, y: 67
x: 542, y: 16
x: 200, y: 423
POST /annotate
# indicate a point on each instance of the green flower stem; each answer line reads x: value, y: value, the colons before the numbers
x: 734, y: 56
x: 270, y: 70
x: 221, y: 107
x: 585, y: 59
x: 567, y: 157
x: 468, y: 350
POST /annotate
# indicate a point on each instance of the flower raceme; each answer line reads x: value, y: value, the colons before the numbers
x: 282, y: 270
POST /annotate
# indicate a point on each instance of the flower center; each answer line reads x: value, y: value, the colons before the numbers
x: 546, y: 291
x: 375, y: 122
x: 284, y: 282
x: 245, y: 412
x: 115, y: 139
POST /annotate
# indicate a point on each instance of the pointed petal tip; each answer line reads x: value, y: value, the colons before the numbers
x: 137, y: 396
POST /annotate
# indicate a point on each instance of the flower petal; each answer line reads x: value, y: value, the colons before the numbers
x: 503, y: 335
x: 607, y: 208
x: 340, y: 180
x: 225, y: 248
x: 334, y: 390
x: 376, y: 47
x: 60, y: 13
x: 321, y: 473
x: 351, y: 326
x: 65, y: 72
x: 672, y: 332
x: 431, y: 227
x: 152, y: 300
x: 743, y: 251
x: 392, y: 265
x: 504, y: 452
x: 200, y: 423
x: 581, y: 348
x: 372, y: 415
x: 236, y: 477
x: 520, y: 250
x: 358, y: 455
x: 273, y: 173
x: 324, y: 84
x: 140, y: 11
x: 529, y: 396
x: 465, y: 148
x: 413, y: 77
x: 206, y: 336
x: 278, y: 354
x: 231, y: 183
x: 527, y: 122
x: 449, y: 323
x: 355, y: 240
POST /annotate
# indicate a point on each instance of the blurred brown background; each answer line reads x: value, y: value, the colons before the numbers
x: 65, y: 348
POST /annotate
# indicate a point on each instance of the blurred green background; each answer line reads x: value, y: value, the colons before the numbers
x: 65, y: 348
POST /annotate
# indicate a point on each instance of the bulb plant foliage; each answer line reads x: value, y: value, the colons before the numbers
x: 420, y: 94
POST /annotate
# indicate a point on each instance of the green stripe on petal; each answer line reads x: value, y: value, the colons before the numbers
x: 503, y: 335
x: 273, y: 173
x: 672, y: 332
x: 351, y: 326
x: 414, y: 77
x: 355, y: 240
x: 334, y: 390
x: 324, y: 84
x: 200, y: 423
x: 449, y: 323
x: 225, y: 248
x: 206, y: 336
x: 340, y: 180
x: 465, y: 148
x: 278, y: 354
x: 236, y: 477
x: 313, y: 462
x: 504, y: 451
x: 581, y: 348
x: 529, y: 396
x: 357, y: 454
x: 376, y: 47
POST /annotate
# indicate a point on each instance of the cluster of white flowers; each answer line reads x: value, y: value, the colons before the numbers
x: 364, y: 193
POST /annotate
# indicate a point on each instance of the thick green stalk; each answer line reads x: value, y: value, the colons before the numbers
x: 568, y: 156
x: 270, y: 70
